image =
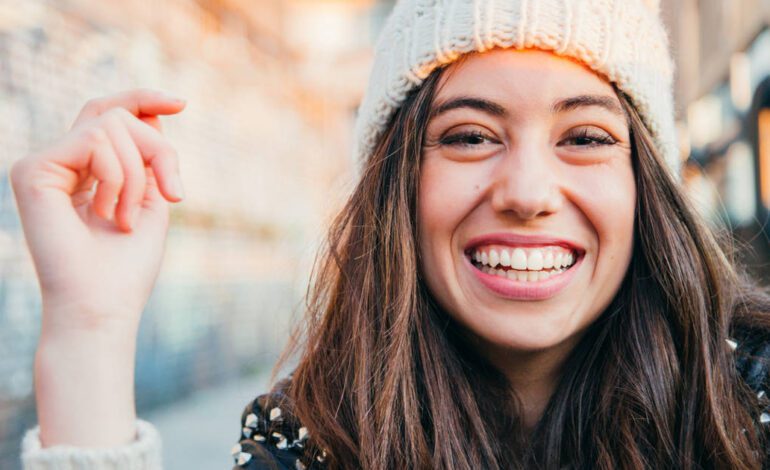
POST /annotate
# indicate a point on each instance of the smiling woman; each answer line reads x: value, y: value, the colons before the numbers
x: 550, y: 299
x: 529, y: 253
x: 523, y: 183
x: 528, y: 285
x: 517, y: 280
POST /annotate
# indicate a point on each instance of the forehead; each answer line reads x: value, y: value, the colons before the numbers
x: 516, y: 77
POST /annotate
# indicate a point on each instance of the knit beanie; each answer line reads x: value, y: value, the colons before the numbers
x: 622, y: 40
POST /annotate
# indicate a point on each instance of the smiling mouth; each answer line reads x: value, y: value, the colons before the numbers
x: 523, y: 264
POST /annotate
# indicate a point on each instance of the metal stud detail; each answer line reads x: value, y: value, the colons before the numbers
x: 236, y: 450
x: 275, y: 414
x: 732, y: 343
x: 282, y: 442
x: 251, y: 421
x: 764, y: 418
x: 243, y: 458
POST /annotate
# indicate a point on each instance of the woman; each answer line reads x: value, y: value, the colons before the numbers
x: 517, y: 281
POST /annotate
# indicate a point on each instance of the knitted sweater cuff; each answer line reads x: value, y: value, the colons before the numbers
x: 142, y: 454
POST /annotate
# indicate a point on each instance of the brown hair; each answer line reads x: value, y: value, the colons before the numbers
x: 386, y: 380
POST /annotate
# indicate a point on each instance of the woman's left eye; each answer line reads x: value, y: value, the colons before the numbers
x: 588, y: 137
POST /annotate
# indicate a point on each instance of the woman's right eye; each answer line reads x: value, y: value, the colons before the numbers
x: 467, y: 139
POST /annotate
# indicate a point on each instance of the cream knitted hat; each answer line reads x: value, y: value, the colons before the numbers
x: 623, y: 40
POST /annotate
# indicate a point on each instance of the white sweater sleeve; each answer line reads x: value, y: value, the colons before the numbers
x: 142, y: 454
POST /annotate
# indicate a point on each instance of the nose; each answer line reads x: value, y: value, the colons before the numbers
x: 526, y: 184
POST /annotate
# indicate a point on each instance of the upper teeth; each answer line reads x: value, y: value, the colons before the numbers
x: 529, y: 259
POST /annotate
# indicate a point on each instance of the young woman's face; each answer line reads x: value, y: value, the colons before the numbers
x: 527, y: 198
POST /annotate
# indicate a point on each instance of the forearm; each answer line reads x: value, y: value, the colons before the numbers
x: 84, y: 387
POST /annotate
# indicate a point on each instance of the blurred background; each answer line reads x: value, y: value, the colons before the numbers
x: 272, y: 87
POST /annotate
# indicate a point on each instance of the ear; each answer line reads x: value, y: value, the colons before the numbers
x: 653, y: 5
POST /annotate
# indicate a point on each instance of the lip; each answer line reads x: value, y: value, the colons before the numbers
x: 524, y: 290
x: 514, y: 239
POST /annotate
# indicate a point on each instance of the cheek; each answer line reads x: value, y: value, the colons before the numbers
x: 618, y: 219
x: 608, y: 200
x: 447, y: 195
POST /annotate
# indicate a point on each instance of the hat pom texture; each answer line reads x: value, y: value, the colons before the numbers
x: 622, y: 40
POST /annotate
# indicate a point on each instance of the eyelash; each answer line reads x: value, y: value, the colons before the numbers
x: 463, y: 139
x: 596, y: 138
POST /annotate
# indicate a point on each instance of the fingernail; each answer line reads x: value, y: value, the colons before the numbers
x: 178, y: 188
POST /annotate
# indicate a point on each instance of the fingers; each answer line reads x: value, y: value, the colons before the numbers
x: 159, y: 155
x: 152, y: 196
x: 132, y: 166
x: 115, y: 148
x: 153, y: 121
x: 83, y: 192
x: 138, y: 145
x: 138, y: 102
x: 106, y: 169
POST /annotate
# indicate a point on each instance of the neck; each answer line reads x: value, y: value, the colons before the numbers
x: 533, y: 375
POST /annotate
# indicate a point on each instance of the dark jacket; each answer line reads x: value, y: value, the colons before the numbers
x: 272, y: 438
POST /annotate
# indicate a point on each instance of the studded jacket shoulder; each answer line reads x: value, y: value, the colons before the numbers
x: 271, y: 438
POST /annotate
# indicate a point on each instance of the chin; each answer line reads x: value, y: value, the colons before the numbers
x: 526, y: 343
x: 522, y: 335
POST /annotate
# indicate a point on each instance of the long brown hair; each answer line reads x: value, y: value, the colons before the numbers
x: 386, y: 380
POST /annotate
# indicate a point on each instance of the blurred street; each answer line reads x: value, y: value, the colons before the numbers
x: 199, y: 431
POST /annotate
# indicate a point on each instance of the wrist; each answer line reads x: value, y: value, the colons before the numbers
x: 84, y: 387
x: 96, y: 349
x: 62, y: 319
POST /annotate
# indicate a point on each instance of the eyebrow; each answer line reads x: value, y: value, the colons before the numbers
x: 561, y: 106
x: 610, y: 104
x: 480, y: 104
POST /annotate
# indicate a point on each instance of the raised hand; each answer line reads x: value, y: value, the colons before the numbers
x: 97, y: 252
x: 94, y: 207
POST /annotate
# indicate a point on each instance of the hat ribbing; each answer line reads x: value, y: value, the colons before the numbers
x: 623, y: 40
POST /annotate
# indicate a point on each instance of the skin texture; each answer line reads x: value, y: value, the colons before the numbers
x: 529, y: 170
x: 95, y: 207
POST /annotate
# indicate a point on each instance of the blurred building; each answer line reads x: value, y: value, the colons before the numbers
x: 723, y: 94
x: 272, y: 87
